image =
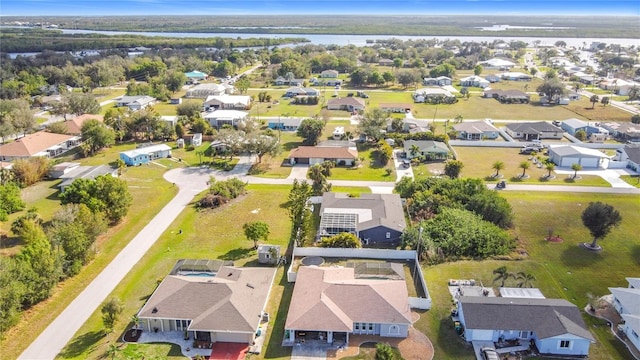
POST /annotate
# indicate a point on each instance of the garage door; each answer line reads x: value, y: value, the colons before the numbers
x: 568, y: 161
x: 589, y: 162
x: 482, y: 335
x: 313, y: 161
x: 302, y: 160
x: 232, y: 337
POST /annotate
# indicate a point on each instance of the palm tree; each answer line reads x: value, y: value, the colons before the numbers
x: 525, y: 279
x: 576, y: 168
x: 415, y: 149
x: 458, y: 118
x: 497, y: 166
x: 136, y: 321
x: 502, y: 274
x: 549, y: 167
x: 524, y: 166
x: 594, y: 99
x: 113, y: 350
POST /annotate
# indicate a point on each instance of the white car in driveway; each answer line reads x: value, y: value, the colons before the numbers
x: 489, y: 353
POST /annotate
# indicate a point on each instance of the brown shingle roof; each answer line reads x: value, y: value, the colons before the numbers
x: 323, y: 152
x: 346, y: 102
x: 231, y: 301
x: 74, y: 125
x: 33, y: 144
x: 332, y: 299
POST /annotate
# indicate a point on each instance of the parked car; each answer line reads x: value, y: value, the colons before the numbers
x: 349, y: 94
x: 406, y: 163
x: 489, y: 353
x: 501, y: 184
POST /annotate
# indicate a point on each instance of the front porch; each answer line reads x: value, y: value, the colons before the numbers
x: 316, y: 338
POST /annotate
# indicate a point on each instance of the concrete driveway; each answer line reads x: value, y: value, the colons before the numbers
x: 401, y: 171
x: 299, y: 171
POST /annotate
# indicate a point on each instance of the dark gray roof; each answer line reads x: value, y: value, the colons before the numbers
x: 385, y: 209
x: 533, y: 127
x: 546, y: 317
x: 85, y: 172
x: 633, y: 152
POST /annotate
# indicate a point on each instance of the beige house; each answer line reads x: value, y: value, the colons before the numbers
x: 41, y: 143
x: 330, y: 303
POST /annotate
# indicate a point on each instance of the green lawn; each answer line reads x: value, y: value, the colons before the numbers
x: 208, y: 234
x: 563, y: 270
x: 632, y: 179
x: 150, y: 193
x: 370, y: 169
x: 478, y: 163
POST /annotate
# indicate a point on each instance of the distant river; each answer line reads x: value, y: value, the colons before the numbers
x: 361, y: 40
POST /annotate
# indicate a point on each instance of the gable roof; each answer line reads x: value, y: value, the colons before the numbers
x: 571, y: 150
x: 474, y: 127
x: 333, y: 299
x: 628, y: 297
x: 575, y: 123
x: 85, y: 172
x: 427, y: 145
x: 329, y: 152
x: 146, y: 150
x: 33, y: 144
x: 286, y: 121
x: 74, y: 125
x: 226, y: 114
x: 346, y: 102
x: 546, y: 317
x: 632, y: 321
x: 533, y: 127
x: 372, y: 210
x: 140, y: 99
x: 229, y: 99
x: 633, y: 153
x: 634, y: 282
x: 233, y: 300
x: 511, y: 93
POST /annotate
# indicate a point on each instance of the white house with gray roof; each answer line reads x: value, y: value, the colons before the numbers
x: 225, y: 306
x: 537, y: 130
x: 475, y: 130
x: 136, y: 102
x: 376, y: 219
x: 567, y: 155
x: 554, y: 326
x: 627, y: 302
x: 628, y: 157
x: 430, y: 149
x: 330, y: 303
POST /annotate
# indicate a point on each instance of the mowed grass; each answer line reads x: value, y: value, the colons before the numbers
x: 212, y: 234
x: 478, y: 163
x: 370, y: 169
x: 563, y: 270
x: 150, y: 193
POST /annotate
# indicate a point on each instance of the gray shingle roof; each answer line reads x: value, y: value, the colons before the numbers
x: 546, y: 317
x: 633, y: 152
x: 385, y: 209
x: 533, y: 127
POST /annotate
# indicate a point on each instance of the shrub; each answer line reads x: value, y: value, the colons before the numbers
x: 384, y: 352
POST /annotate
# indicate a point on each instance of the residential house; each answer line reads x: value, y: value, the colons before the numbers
x: 438, y: 81
x: 618, y: 86
x: 475, y: 130
x: 227, y: 305
x: 74, y: 126
x: 300, y: 91
x: 492, y: 78
x: 196, y: 139
x: 144, y: 155
x: 385, y: 62
x: 329, y: 74
x: 341, y: 156
x: 625, y: 132
x: 284, y: 124
x: 630, y: 155
x: 291, y: 82
x: 507, y: 96
x: 227, y: 102
x: 86, y: 172
x: 554, y: 326
x: 424, y: 94
x: 194, y: 76
x: 57, y: 170
x: 572, y: 126
x: 330, y: 303
x: 137, y: 102
x: 203, y: 91
x: 567, y: 155
x: 41, y: 143
x: 396, y: 107
x: 219, y: 118
x: 474, y: 81
x: 497, y: 63
x: 376, y: 219
x: 348, y: 103
x: 515, y: 76
x: 537, y: 130
x: 268, y: 254
x: 626, y: 302
x: 431, y: 150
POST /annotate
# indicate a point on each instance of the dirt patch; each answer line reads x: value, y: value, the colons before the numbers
x: 555, y: 239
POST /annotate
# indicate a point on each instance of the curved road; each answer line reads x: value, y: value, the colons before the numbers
x: 192, y: 181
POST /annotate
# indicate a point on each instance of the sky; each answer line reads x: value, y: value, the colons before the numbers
x: 336, y: 7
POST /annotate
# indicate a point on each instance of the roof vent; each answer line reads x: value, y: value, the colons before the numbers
x: 155, y: 310
x: 250, y: 286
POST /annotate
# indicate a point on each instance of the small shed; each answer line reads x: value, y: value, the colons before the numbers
x: 268, y: 254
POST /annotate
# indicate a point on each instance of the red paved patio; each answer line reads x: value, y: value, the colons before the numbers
x: 228, y: 351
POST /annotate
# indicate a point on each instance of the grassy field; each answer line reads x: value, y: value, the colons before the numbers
x: 150, y: 193
x: 563, y: 270
x: 209, y: 234
x: 370, y: 169
x: 478, y: 162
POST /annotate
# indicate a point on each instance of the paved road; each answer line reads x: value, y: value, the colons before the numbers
x: 53, y: 339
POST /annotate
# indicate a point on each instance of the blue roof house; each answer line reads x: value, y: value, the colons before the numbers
x: 145, y: 154
x: 574, y: 125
